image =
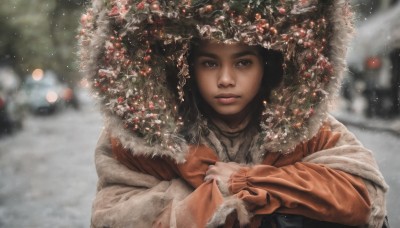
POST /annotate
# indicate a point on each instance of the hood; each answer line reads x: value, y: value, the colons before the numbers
x: 127, y: 47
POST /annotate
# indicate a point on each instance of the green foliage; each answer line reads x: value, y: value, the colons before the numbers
x: 40, y: 34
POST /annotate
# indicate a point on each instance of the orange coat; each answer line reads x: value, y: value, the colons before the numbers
x: 282, y: 183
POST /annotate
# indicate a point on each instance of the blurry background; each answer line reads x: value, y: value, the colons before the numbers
x: 49, y: 124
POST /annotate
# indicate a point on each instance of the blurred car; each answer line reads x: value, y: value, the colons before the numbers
x: 44, y: 93
x: 12, y: 110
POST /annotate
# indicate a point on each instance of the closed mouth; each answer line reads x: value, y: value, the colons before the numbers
x: 227, y: 95
x: 227, y: 99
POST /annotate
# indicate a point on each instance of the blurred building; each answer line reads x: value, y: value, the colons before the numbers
x: 374, y: 58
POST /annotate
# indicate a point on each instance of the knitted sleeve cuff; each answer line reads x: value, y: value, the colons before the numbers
x: 238, y: 180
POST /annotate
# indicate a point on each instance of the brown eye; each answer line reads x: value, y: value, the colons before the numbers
x: 243, y: 63
x: 209, y: 64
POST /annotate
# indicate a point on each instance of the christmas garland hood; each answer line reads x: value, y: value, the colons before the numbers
x: 128, y: 46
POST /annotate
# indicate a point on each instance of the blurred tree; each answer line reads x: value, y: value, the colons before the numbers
x: 40, y: 34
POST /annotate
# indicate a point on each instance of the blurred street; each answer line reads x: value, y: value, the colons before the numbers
x: 47, y: 173
x: 48, y: 177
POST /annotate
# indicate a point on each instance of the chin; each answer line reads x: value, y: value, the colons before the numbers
x: 228, y: 111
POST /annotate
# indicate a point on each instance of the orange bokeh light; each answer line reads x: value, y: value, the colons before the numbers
x: 37, y: 74
x: 51, y: 96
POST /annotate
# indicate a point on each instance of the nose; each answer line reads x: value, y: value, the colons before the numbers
x: 226, y: 77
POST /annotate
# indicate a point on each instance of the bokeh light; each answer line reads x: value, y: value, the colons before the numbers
x: 37, y: 74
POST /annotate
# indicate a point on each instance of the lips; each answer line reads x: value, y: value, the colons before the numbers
x: 227, y: 98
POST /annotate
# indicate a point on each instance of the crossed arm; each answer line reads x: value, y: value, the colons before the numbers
x: 130, y: 197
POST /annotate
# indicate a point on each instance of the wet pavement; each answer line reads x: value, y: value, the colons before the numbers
x: 47, y: 173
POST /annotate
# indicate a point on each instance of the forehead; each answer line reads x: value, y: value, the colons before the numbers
x: 219, y: 48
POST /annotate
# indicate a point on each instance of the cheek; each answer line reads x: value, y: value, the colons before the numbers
x: 256, y: 80
x: 254, y: 87
x: 203, y: 82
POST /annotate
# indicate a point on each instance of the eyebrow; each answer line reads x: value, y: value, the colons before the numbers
x: 236, y: 55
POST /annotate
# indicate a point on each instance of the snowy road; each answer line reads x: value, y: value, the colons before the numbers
x: 48, y: 179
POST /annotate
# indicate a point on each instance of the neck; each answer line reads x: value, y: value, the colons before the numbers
x: 233, y: 123
x: 231, y: 126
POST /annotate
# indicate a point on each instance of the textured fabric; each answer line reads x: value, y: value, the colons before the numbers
x: 235, y: 144
x: 291, y: 186
x: 350, y: 156
x: 332, y: 196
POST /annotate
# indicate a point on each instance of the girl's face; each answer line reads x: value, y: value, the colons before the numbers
x: 228, y: 76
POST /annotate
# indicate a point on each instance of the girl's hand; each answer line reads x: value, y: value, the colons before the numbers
x: 221, y: 172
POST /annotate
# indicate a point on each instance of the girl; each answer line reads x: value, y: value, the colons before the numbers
x: 216, y: 115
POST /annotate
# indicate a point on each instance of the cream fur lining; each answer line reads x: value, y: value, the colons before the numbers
x: 230, y: 205
x: 139, y: 146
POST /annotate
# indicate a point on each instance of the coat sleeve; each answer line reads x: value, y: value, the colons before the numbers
x: 311, y: 190
x: 126, y: 198
x: 340, y: 184
x: 148, y: 192
x: 350, y: 156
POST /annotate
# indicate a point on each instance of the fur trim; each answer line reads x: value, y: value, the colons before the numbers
x: 378, y: 205
x: 230, y: 205
x: 342, y: 30
x: 139, y: 146
x: 349, y: 156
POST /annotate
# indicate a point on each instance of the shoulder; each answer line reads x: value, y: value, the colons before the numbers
x: 346, y: 137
